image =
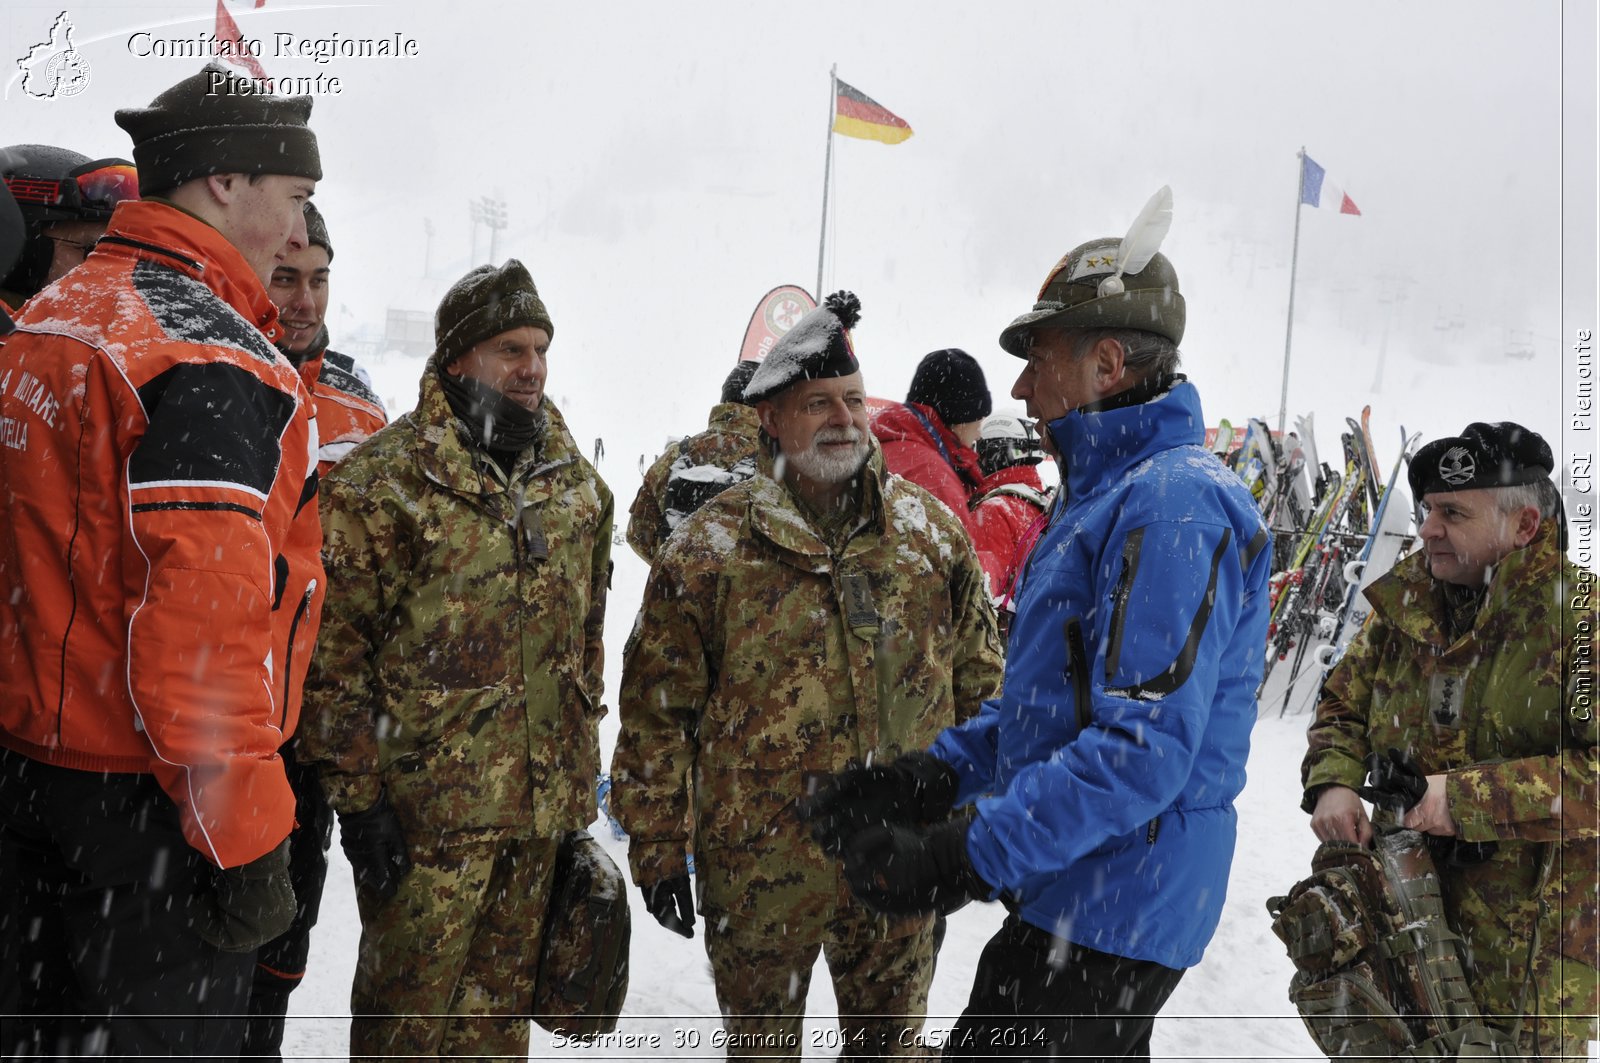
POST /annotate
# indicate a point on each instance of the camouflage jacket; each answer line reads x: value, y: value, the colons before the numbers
x: 460, y: 661
x: 1496, y: 712
x: 762, y: 658
x: 691, y: 472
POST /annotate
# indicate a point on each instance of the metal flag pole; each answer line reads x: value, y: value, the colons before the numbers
x: 827, y: 174
x: 1294, y: 261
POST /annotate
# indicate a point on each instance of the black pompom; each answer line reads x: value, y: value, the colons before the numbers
x: 845, y: 306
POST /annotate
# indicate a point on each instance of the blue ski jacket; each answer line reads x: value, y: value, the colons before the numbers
x: 1105, y: 772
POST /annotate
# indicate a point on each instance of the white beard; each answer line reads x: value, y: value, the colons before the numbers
x: 811, y: 464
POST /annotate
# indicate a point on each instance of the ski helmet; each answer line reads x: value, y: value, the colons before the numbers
x: 52, y: 184
x: 13, y: 231
x: 1006, y: 440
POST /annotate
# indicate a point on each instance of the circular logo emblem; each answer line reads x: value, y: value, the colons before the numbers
x: 66, y: 73
x: 1456, y: 467
x: 784, y: 314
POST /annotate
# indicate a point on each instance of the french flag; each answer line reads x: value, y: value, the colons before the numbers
x: 1317, y: 190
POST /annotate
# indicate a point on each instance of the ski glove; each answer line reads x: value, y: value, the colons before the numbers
x: 911, y: 790
x: 248, y: 905
x: 907, y: 871
x: 376, y: 848
x: 671, y: 901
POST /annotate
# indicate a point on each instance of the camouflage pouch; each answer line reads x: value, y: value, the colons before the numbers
x: 582, y: 979
x: 1379, y: 972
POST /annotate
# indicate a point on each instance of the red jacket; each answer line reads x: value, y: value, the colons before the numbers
x: 1008, y: 502
x: 924, y: 451
x: 161, y: 584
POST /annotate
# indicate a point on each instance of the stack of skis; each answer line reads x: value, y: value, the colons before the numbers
x: 1333, y: 533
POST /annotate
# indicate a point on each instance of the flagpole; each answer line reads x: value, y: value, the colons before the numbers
x: 827, y: 175
x: 1294, y: 262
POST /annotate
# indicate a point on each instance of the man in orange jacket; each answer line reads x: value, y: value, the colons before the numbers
x: 348, y: 410
x: 160, y: 593
x: 347, y: 413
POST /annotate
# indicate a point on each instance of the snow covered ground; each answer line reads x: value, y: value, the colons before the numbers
x: 1234, y: 1005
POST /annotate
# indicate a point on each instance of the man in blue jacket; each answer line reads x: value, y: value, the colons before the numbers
x: 1103, y: 777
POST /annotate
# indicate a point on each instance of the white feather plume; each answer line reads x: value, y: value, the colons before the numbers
x: 1143, y: 239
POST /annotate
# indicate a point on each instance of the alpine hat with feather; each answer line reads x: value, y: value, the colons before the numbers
x: 1110, y: 283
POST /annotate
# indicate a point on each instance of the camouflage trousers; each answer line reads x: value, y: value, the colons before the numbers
x: 446, y: 967
x: 1565, y: 1012
x: 762, y: 980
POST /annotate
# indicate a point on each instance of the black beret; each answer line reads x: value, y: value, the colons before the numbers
x: 1502, y: 454
x: 817, y: 348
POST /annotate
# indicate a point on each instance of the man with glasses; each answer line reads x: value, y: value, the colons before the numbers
x: 821, y: 613
x: 66, y: 200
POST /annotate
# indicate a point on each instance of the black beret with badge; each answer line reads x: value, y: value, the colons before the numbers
x: 817, y: 348
x: 1503, y: 454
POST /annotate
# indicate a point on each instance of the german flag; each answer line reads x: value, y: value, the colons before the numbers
x: 855, y: 114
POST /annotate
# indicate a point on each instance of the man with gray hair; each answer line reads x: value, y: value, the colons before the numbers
x: 818, y: 614
x: 1470, y: 669
x: 1103, y: 776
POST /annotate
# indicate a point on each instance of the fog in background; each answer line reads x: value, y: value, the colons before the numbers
x: 662, y: 164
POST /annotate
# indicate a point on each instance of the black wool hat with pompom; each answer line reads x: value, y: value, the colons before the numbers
x: 817, y: 348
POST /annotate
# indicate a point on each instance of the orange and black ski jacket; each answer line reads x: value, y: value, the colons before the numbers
x: 348, y: 411
x: 160, y: 579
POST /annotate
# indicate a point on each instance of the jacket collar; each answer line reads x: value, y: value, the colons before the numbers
x: 450, y: 460
x: 734, y: 417
x: 778, y: 518
x: 915, y: 421
x: 1027, y: 475
x: 1408, y: 598
x: 1098, y: 446
x: 149, y: 230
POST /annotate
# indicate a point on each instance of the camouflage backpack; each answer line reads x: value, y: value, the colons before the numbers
x: 1379, y: 974
x: 583, y: 961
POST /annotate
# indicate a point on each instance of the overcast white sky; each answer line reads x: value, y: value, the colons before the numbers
x: 662, y: 165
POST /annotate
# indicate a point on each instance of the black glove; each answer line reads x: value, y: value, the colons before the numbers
x: 376, y: 848
x: 911, y: 790
x: 906, y: 871
x: 1394, y: 782
x: 248, y: 905
x: 671, y: 901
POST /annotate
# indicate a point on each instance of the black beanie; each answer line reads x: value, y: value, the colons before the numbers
x: 317, y: 230
x: 951, y: 383
x: 817, y: 348
x: 733, y: 387
x: 218, y: 122
x: 1502, y: 454
x: 486, y: 302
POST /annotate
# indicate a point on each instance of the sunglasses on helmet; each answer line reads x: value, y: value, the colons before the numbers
x: 93, y: 186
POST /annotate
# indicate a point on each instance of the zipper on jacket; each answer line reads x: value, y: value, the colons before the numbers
x: 154, y: 249
x: 1119, y: 597
x: 1078, y: 666
x: 288, y: 651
